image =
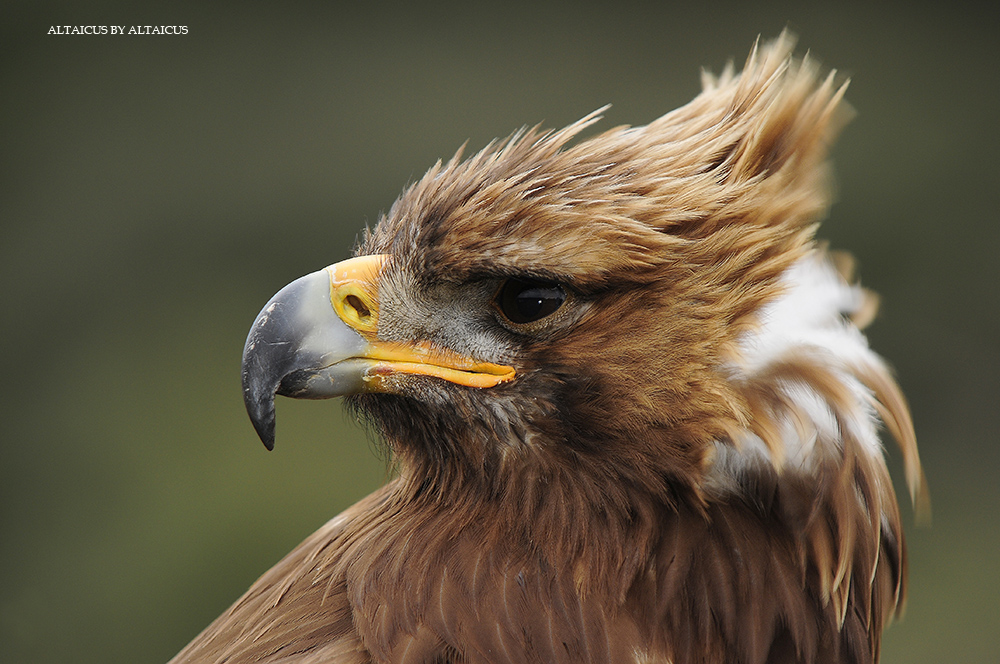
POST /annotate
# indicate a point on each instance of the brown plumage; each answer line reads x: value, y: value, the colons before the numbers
x: 632, y: 413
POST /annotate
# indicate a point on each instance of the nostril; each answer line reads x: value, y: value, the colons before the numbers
x: 355, y: 303
x: 355, y: 306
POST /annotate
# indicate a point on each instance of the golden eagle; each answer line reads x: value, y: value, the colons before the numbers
x: 632, y: 411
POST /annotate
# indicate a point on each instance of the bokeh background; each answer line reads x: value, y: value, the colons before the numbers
x: 156, y: 190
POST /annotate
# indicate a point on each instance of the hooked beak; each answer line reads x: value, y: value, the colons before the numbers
x: 317, y: 338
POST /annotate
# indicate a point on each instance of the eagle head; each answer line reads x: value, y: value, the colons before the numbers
x: 623, y: 364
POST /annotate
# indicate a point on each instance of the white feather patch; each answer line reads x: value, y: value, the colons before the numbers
x: 810, y: 321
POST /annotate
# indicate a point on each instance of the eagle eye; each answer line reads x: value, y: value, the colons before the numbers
x: 526, y: 300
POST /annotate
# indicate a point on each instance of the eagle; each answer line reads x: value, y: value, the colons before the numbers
x: 630, y: 409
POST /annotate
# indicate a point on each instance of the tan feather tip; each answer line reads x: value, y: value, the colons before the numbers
x: 920, y: 495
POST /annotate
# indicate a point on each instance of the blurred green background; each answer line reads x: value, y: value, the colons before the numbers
x: 156, y: 190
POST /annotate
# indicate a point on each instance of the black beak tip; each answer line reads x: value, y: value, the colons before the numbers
x: 267, y: 438
x: 262, y: 416
x: 258, y: 396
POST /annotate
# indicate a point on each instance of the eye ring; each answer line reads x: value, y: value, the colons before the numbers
x: 525, y: 301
